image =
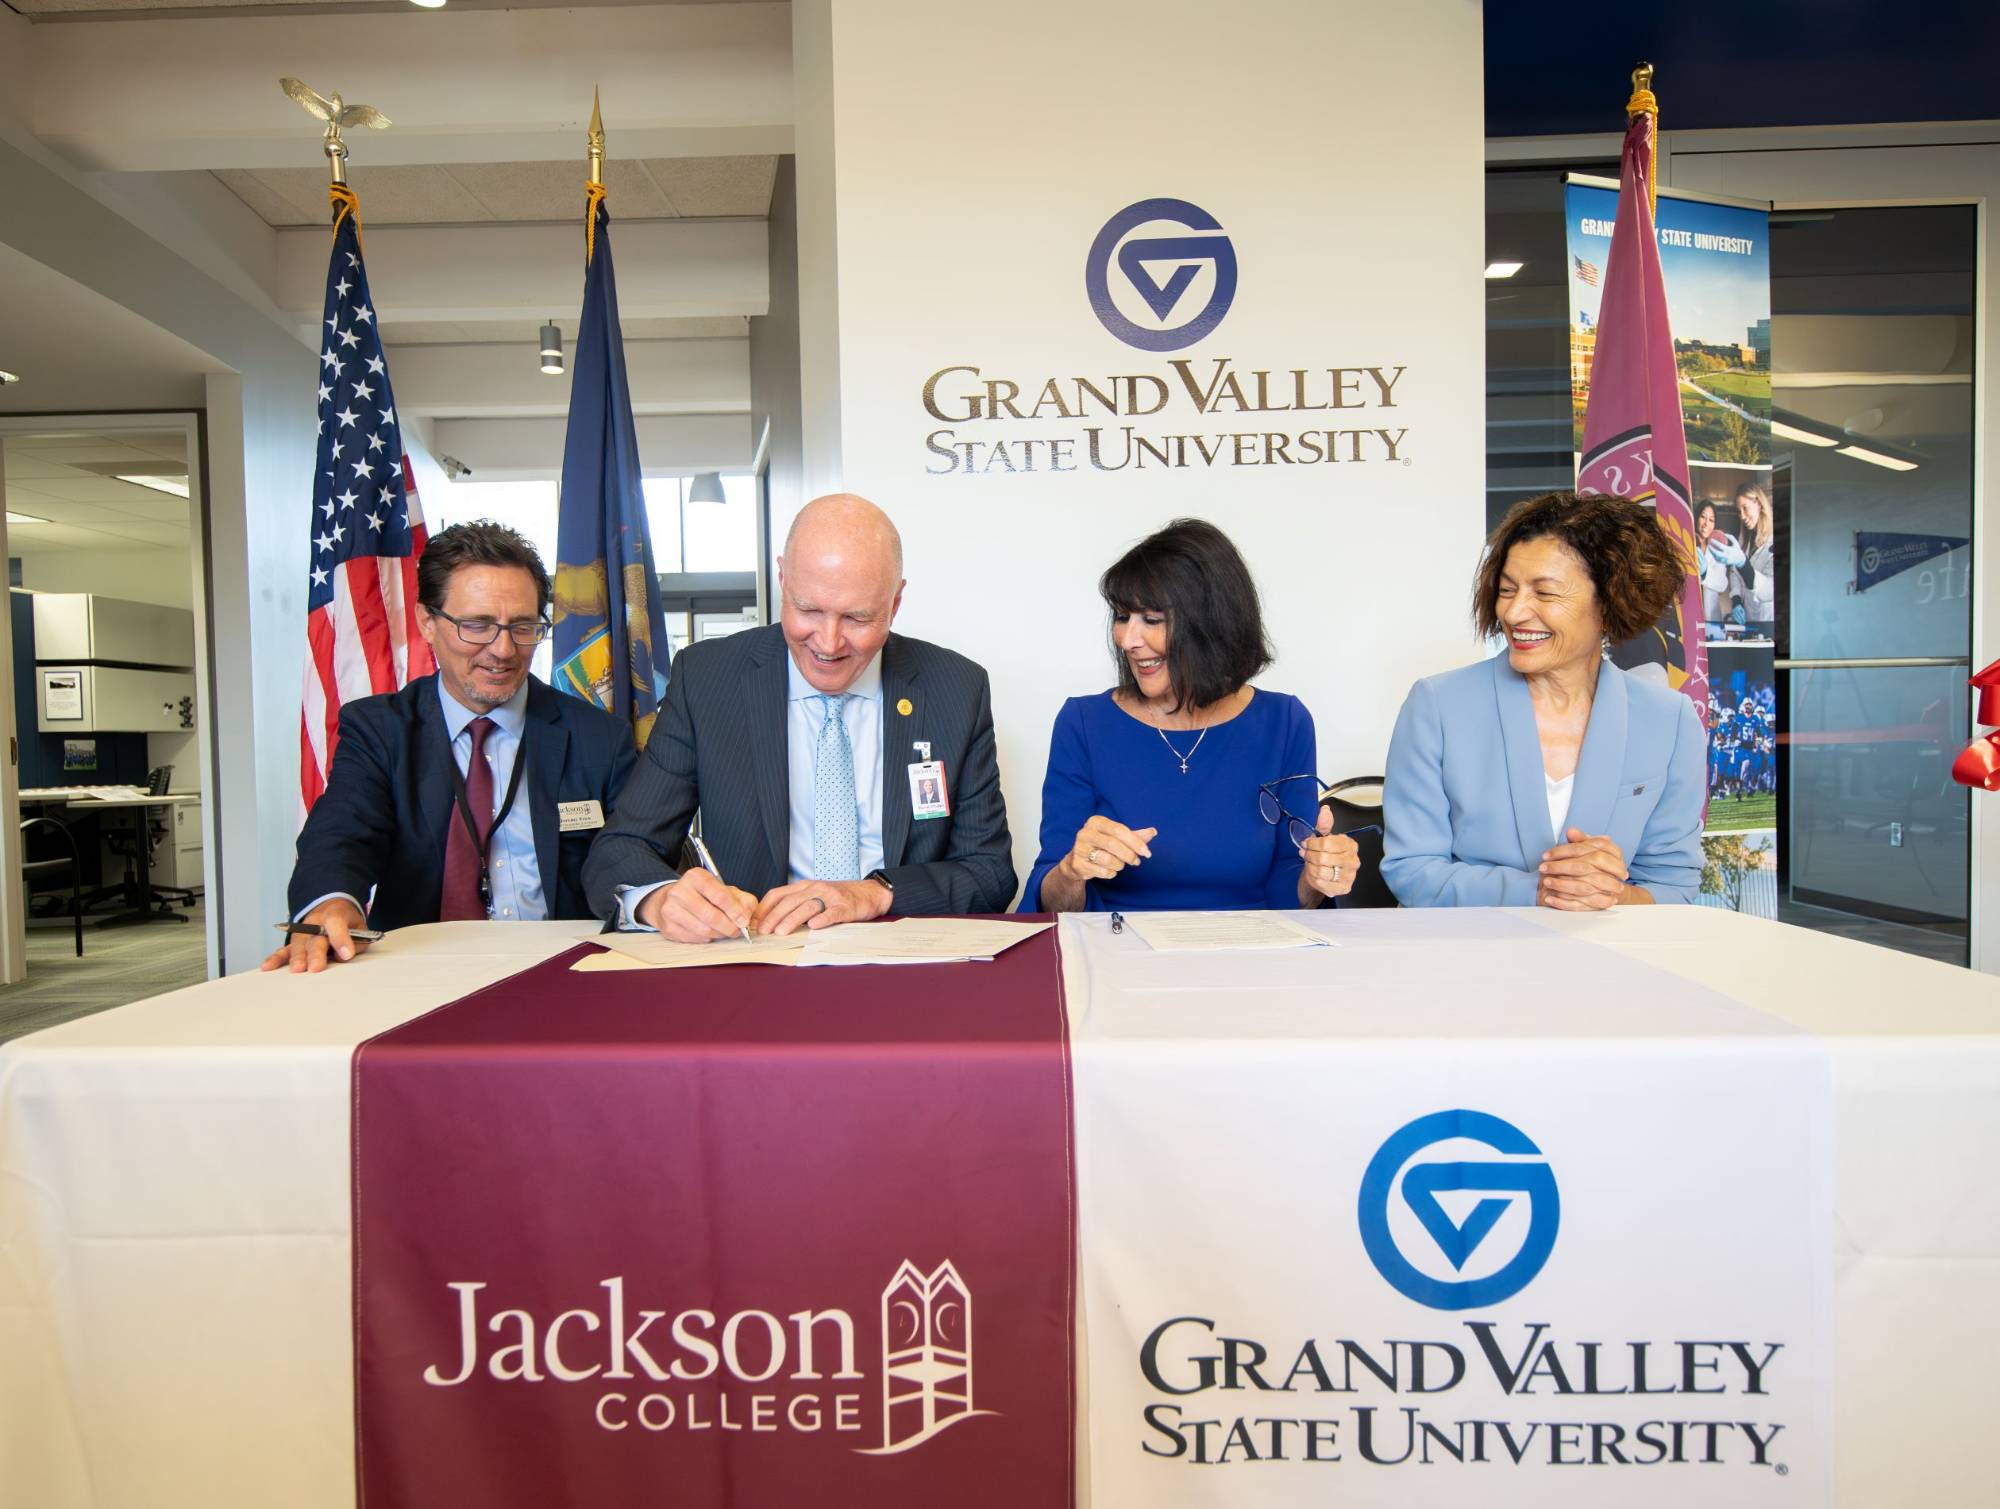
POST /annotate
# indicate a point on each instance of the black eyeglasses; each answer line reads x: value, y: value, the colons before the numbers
x: 482, y: 631
x: 1271, y: 804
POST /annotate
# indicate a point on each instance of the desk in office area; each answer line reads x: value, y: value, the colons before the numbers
x: 141, y: 906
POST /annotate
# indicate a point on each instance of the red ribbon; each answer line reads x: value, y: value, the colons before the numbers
x: 1978, y: 764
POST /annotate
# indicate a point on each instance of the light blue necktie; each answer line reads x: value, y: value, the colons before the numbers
x: 836, y: 812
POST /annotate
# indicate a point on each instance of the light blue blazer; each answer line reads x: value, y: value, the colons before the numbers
x: 1466, y: 811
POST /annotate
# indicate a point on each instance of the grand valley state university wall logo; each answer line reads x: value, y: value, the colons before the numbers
x: 1138, y: 284
x: 1425, y: 1223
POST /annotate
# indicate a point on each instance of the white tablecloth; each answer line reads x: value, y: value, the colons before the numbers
x: 174, y: 1238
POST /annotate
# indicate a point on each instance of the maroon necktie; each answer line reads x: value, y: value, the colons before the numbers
x: 461, y: 852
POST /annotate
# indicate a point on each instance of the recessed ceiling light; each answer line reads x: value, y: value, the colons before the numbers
x: 178, y: 486
x: 1503, y: 269
x: 24, y: 518
x: 9, y: 377
x: 1804, y: 437
x: 429, y: 4
x: 1863, y: 453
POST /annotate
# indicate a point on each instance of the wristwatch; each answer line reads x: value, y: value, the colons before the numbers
x: 882, y: 878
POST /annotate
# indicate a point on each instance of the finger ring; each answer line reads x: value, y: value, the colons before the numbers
x: 1091, y: 857
x: 822, y: 904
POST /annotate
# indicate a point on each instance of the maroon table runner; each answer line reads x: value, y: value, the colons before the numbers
x: 748, y: 1237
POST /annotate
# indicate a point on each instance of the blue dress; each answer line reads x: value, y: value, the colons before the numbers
x: 1214, y: 851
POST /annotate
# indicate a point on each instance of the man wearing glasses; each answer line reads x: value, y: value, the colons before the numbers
x: 470, y: 794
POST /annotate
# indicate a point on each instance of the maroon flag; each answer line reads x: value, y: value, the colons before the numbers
x: 1633, y: 443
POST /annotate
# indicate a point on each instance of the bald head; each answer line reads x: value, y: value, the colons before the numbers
x: 848, y: 528
x: 841, y: 581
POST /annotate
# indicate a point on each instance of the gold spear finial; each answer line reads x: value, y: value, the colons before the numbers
x: 596, y: 141
x: 1642, y: 78
x: 335, y: 114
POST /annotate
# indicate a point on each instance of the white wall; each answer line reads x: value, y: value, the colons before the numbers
x: 967, y: 158
x: 140, y: 576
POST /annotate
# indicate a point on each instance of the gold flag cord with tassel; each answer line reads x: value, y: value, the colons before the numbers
x: 593, y: 191
x: 1643, y: 103
x: 345, y: 202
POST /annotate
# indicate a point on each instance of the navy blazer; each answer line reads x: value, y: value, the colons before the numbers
x: 1466, y: 812
x: 719, y: 748
x: 384, y: 816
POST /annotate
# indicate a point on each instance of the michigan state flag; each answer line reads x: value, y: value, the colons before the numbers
x: 610, y: 640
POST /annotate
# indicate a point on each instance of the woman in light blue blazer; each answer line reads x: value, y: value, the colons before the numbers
x: 1547, y: 776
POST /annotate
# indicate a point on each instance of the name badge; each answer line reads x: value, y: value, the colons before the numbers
x: 575, y: 817
x: 928, y: 796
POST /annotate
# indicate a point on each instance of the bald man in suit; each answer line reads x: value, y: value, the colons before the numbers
x: 795, y: 744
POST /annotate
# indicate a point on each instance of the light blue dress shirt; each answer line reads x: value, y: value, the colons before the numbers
x: 861, y: 713
x: 513, y: 873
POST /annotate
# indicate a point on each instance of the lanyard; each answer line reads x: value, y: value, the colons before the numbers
x: 464, y: 804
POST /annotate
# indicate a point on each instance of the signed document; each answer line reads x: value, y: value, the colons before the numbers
x: 651, y: 951
x: 917, y: 940
x: 1176, y: 932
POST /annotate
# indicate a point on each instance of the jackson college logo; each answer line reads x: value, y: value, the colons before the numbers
x: 926, y: 1356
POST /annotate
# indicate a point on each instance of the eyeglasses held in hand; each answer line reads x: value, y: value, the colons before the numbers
x: 482, y: 631
x: 1297, y: 829
x: 1271, y: 799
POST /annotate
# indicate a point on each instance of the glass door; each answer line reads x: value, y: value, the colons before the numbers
x: 1873, y: 408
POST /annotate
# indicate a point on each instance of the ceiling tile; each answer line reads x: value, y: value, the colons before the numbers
x: 267, y: 204
x: 419, y: 195
x: 716, y: 185
x: 554, y: 190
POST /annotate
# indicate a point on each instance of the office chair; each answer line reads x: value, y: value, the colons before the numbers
x: 73, y: 862
x: 1357, y: 803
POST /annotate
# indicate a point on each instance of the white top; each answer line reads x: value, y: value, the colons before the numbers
x: 1558, y: 801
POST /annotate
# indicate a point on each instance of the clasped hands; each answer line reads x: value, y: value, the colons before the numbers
x: 1104, y: 847
x: 1586, y: 874
x: 699, y: 908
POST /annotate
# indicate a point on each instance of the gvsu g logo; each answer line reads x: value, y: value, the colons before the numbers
x: 1157, y: 274
x: 1464, y: 1231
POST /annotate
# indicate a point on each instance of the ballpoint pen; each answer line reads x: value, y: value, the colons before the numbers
x: 314, y: 930
x: 708, y: 863
x: 1117, y: 922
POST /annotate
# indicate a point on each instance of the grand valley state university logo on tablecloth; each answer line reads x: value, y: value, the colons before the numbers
x: 1480, y: 1190
x: 1458, y: 1210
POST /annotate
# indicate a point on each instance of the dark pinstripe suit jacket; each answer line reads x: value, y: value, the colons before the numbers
x: 719, y: 746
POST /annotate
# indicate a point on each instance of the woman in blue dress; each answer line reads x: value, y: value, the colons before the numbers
x: 1184, y: 787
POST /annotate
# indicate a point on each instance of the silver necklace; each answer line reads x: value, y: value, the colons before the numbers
x: 1183, y: 758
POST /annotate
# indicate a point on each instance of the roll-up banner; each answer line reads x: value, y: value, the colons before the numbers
x: 1715, y: 257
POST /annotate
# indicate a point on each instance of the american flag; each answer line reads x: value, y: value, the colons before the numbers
x: 367, y: 528
x: 1587, y: 271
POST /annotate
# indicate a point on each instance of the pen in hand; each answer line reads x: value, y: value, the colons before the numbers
x: 708, y: 863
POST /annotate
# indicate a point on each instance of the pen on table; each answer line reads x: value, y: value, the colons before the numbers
x: 708, y: 863
x: 314, y: 930
x: 1117, y: 922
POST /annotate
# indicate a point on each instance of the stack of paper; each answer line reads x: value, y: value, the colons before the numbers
x: 917, y: 940
x: 911, y: 940
x: 651, y: 951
